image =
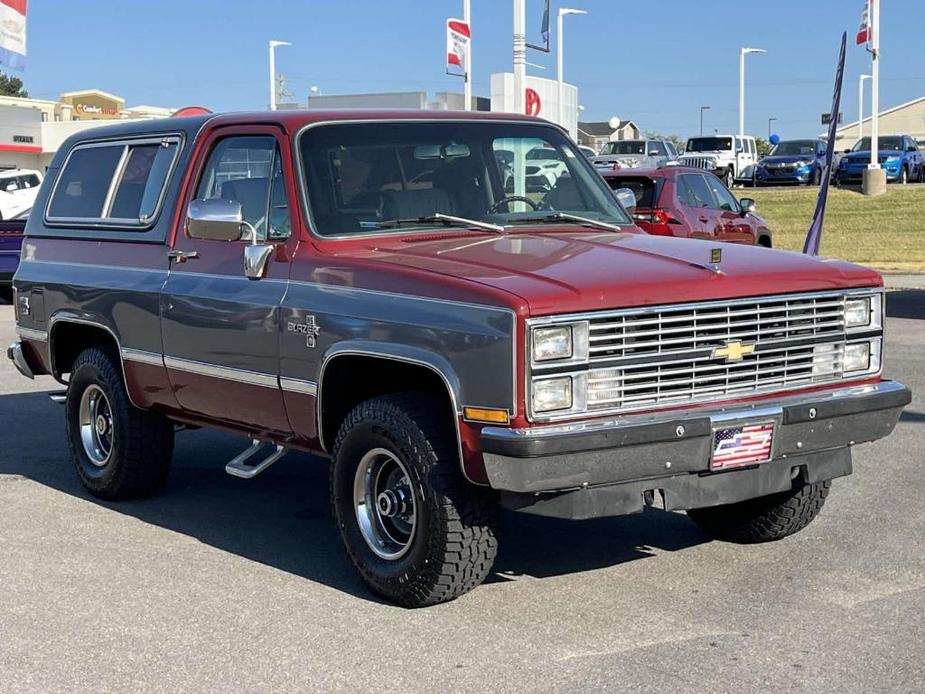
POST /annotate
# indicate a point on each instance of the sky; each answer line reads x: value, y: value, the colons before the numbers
x: 656, y: 62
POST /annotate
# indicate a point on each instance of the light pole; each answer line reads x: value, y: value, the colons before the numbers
x: 467, y: 68
x: 742, y: 53
x: 273, y: 45
x: 520, y: 55
x: 559, y: 51
x: 861, y: 79
x: 702, y: 109
x: 770, y: 120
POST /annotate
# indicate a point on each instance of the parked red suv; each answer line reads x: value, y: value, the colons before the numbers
x: 693, y: 203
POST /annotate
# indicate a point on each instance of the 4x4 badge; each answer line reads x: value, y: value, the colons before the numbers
x: 309, y: 328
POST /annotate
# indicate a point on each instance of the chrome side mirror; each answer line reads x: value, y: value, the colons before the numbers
x: 747, y: 205
x: 626, y: 198
x: 215, y: 219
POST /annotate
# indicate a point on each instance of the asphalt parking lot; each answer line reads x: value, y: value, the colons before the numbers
x: 225, y: 584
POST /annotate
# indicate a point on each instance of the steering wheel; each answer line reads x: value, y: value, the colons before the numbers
x: 508, y: 199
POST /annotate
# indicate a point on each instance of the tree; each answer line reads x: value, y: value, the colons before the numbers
x: 12, y: 86
x: 763, y: 146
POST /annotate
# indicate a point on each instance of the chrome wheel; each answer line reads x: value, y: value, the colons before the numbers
x: 96, y: 427
x: 384, y: 503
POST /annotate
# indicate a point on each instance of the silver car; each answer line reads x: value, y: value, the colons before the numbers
x: 635, y: 154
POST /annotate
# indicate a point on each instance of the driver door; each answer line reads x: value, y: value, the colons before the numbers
x: 220, y: 329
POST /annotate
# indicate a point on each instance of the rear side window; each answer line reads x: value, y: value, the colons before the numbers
x: 698, y: 192
x: 118, y: 183
x: 645, y: 189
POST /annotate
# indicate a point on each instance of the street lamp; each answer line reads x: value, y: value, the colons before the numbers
x: 742, y: 53
x: 273, y: 45
x: 861, y: 79
x: 770, y: 120
x: 702, y: 109
x: 562, y: 12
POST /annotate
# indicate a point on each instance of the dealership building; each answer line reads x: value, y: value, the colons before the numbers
x: 31, y: 130
x: 905, y: 119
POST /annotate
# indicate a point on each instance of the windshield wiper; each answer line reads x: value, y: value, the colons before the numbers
x: 447, y: 219
x: 566, y: 217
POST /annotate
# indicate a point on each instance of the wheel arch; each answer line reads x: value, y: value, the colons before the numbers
x: 78, y: 333
x: 395, y: 369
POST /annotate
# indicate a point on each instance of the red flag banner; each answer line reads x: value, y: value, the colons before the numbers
x: 457, y: 42
x: 864, y: 31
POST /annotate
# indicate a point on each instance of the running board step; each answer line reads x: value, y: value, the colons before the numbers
x: 59, y: 397
x: 240, y: 466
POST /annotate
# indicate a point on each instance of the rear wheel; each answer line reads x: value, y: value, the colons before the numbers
x: 903, y: 176
x: 416, y: 532
x: 119, y: 451
x: 766, y: 518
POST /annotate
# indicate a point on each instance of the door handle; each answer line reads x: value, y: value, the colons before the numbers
x: 182, y: 256
x: 704, y: 219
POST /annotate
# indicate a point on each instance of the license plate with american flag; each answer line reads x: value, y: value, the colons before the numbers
x: 743, y: 445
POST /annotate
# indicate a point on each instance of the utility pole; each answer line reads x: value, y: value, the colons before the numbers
x: 702, y: 109
x: 874, y: 179
x: 467, y: 68
x: 273, y: 85
x: 520, y: 56
x: 861, y: 79
x: 742, y: 53
x: 560, y: 50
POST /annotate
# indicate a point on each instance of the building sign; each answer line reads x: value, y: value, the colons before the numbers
x: 533, y: 103
x: 13, y: 33
x: 96, y: 110
x: 23, y: 139
x: 827, y: 118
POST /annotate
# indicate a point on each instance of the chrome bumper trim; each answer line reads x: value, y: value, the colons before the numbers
x: 729, y: 412
x: 15, y: 355
x: 32, y: 334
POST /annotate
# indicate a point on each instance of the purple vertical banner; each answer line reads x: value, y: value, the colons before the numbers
x: 814, y: 236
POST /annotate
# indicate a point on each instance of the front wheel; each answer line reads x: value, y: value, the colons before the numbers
x: 416, y: 532
x: 120, y: 452
x: 765, y: 519
x: 728, y: 178
x: 903, y: 176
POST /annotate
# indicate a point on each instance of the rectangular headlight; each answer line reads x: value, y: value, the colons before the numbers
x: 552, y: 343
x: 551, y: 394
x: 858, y: 312
x: 857, y: 357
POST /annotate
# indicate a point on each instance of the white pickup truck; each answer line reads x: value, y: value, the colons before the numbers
x: 728, y: 156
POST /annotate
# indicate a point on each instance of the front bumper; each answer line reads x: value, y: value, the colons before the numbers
x: 608, y: 468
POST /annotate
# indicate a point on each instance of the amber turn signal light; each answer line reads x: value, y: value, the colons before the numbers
x: 481, y: 414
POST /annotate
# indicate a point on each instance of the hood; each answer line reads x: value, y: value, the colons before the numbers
x: 865, y: 156
x: 554, y: 270
x: 787, y: 158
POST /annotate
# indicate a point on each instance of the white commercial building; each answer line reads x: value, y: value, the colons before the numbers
x: 542, y: 99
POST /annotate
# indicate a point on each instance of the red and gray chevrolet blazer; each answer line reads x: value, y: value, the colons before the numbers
x: 403, y: 294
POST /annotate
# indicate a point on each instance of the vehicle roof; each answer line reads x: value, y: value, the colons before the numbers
x: 17, y: 172
x: 664, y: 172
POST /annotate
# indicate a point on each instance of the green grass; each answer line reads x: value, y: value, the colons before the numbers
x: 886, y: 232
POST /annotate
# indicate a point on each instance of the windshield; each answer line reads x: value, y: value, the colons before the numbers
x: 625, y: 147
x: 709, y: 144
x: 892, y: 143
x: 359, y: 176
x: 795, y: 147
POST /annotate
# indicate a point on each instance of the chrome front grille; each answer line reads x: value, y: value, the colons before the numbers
x: 699, y: 162
x: 678, y: 354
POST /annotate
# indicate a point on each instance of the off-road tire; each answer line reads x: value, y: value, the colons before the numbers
x: 455, y: 541
x: 142, y: 444
x: 765, y: 519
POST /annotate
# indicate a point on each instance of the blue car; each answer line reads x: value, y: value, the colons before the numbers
x: 899, y: 156
x: 792, y: 161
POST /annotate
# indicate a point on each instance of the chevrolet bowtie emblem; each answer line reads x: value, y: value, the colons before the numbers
x: 733, y: 351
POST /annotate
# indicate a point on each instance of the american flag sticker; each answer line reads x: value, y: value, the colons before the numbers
x: 739, y: 446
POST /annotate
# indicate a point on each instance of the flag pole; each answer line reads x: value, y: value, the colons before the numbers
x: 467, y: 68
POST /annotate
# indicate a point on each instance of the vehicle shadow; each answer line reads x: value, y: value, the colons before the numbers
x: 282, y: 518
x: 906, y: 304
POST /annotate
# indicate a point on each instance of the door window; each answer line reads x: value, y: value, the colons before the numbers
x: 247, y: 169
x: 658, y: 147
x: 698, y: 191
x: 726, y: 199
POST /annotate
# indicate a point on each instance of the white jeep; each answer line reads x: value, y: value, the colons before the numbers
x: 18, y: 188
x: 728, y: 156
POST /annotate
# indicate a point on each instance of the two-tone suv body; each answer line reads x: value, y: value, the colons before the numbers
x: 728, y: 156
x: 364, y: 286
